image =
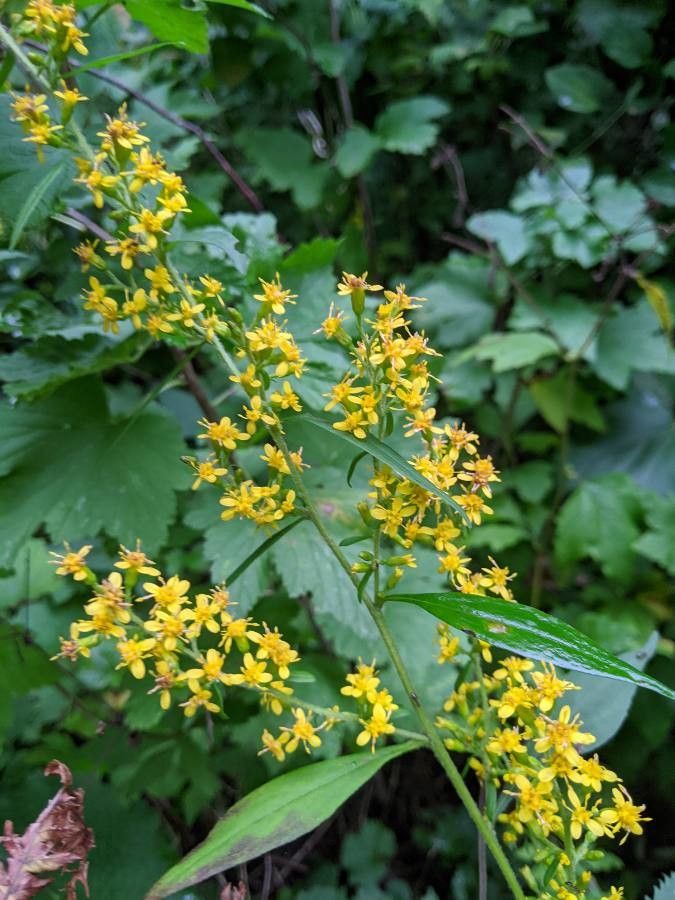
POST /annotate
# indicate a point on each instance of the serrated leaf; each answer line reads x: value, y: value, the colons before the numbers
x: 357, y: 148
x: 387, y: 455
x: 170, y: 21
x: 278, y: 812
x: 665, y: 889
x: 578, y: 88
x: 530, y: 632
x: 657, y: 543
x: 409, y: 126
x: 33, y: 200
x: 70, y: 465
x: 598, y: 521
x: 510, y: 350
x: 504, y: 229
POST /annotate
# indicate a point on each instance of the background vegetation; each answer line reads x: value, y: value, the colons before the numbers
x: 513, y: 163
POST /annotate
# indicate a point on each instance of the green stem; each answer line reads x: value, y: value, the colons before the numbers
x: 435, y: 741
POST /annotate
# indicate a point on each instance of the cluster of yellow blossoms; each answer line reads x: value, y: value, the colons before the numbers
x: 195, y: 648
x: 523, y: 743
x: 389, y: 379
x: 143, y: 196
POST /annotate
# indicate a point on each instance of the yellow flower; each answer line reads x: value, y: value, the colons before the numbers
x: 147, y: 169
x: 212, y: 287
x: 480, y: 472
x: 69, y: 95
x: 165, y: 679
x: 303, y: 731
x: 624, y: 814
x: 561, y: 734
x: 275, y: 746
x: 207, y: 471
x: 533, y: 800
x: 203, y: 615
x: 72, y: 562
x: 550, y: 687
x: 160, y: 281
x: 133, y: 652
x: 287, y: 399
x: 474, y: 506
x: 362, y: 682
x: 351, y: 283
x: 127, y: 249
x: 121, y: 132
x: 237, y: 630
x: 150, y: 224
x: 585, y: 818
x: 200, y: 698
x: 274, y: 296
x: 256, y: 413
x: 253, y: 673
x: 225, y: 433
x: 187, y: 313
x: 210, y: 668
x: 134, y: 307
x: 332, y: 324
x: 168, y: 628
x: 169, y: 595
x: 136, y: 561
x: 375, y: 727
x: 506, y: 740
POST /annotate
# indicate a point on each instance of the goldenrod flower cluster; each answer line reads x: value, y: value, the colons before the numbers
x: 193, y: 648
x: 389, y: 381
x: 134, y: 184
x: 523, y: 744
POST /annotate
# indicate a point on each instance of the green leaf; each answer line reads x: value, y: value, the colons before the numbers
x: 260, y: 551
x: 599, y: 521
x: 409, y: 126
x: 530, y: 632
x: 273, y: 815
x: 72, y: 466
x: 505, y: 230
x: 32, y: 202
x: 665, y: 889
x: 306, y: 566
x: 579, y: 88
x: 604, y: 705
x: 629, y: 47
x: 620, y: 205
x: 657, y: 543
x: 550, y: 396
x: 244, y: 4
x: 287, y: 162
x: 514, y: 350
x: 367, y: 853
x: 170, y: 21
x: 44, y: 364
x: 385, y: 454
x: 357, y: 148
x: 632, y: 339
x: 118, y: 57
x: 517, y: 21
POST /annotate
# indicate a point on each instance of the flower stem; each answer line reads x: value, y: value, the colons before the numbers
x: 435, y: 741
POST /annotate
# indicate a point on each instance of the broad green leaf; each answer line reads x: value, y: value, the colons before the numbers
x: 275, y: 814
x: 33, y: 200
x: 629, y: 47
x: 307, y: 567
x: 170, y: 21
x: 504, y: 229
x: 517, y: 21
x: 33, y: 577
x: 598, y: 521
x: 225, y: 545
x: 285, y: 160
x: 367, y: 853
x: 604, y: 705
x: 578, y: 88
x: 68, y: 464
x: 244, y: 4
x: 665, y: 889
x: 44, y: 364
x: 632, y: 339
x: 620, y: 205
x: 410, y: 126
x: 458, y: 310
x: 530, y: 632
x: 510, y: 350
x: 260, y: 551
x: 357, y: 148
x: 387, y: 455
x: 551, y: 398
x: 658, y: 543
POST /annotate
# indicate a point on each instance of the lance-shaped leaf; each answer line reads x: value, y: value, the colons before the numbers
x: 387, y: 455
x: 529, y: 632
x: 278, y: 812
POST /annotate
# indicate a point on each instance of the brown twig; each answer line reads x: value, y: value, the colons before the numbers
x: 90, y: 225
x: 242, y: 186
x: 195, y: 386
x: 267, y: 877
x: 348, y: 116
x: 448, y: 156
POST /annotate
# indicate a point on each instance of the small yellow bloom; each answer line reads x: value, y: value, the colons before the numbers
x: 375, y: 727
